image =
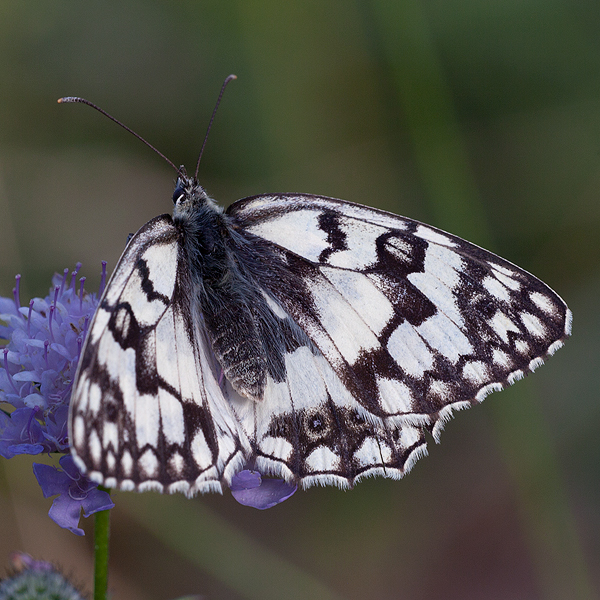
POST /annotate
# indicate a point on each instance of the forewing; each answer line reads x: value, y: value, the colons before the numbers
x: 147, y: 411
x: 414, y: 322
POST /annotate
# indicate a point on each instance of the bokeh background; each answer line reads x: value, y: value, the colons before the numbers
x: 481, y: 117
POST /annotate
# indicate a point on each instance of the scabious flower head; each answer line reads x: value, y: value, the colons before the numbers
x: 38, y: 364
x: 36, y: 579
x: 37, y: 367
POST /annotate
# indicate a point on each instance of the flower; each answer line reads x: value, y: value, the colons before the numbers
x: 75, y: 493
x: 249, y: 488
x: 36, y: 579
x: 37, y: 367
x: 38, y: 364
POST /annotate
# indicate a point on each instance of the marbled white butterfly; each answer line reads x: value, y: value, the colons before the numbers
x: 311, y: 338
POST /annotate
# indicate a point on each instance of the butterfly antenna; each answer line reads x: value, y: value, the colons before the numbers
x: 139, y: 137
x: 227, y: 80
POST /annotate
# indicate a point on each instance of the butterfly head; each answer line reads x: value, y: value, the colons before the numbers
x: 189, y: 196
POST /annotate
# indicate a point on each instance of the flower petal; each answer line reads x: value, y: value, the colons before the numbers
x: 51, y: 480
x: 245, y: 480
x: 95, y: 501
x: 16, y: 449
x: 70, y: 468
x: 20, y: 433
x: 65, y: 512
x: 268, y: 494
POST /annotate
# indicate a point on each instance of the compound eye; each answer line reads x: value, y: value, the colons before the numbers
x: 178, y: 194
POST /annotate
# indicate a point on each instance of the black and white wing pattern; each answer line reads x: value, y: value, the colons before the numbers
x: 410, y: 324
x: 147, y: 412
x: 311, y: 338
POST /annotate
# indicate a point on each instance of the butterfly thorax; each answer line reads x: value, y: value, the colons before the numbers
x: 225, y: 298
x: 202, y: 225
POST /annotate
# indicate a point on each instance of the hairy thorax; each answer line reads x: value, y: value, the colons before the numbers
x: 228, y: 305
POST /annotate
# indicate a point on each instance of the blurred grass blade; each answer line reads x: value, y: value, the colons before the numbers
x: 547, y: 519
x: 405, y: 45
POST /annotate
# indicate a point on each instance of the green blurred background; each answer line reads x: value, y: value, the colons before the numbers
x: 478, y: 116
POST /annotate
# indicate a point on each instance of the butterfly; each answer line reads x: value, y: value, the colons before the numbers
x: 314, y: 339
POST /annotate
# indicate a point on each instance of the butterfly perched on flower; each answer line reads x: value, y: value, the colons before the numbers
x: 313, y: 339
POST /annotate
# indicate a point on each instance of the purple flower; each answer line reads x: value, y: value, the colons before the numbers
x: 37, y: 367
x: 38, y: 363
x: 75, y: 492
x: 250, y: 489
x: 20, y: 433
x: 36, y: 579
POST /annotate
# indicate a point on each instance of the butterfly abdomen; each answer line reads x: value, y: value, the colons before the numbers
x: 236, y: 345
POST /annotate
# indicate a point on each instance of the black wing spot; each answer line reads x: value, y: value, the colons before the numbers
x: 147, y: 285
x: 329, y: 222
x: 124, y: 326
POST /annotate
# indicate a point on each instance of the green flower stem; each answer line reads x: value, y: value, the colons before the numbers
x: 101, y: 535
